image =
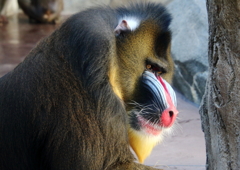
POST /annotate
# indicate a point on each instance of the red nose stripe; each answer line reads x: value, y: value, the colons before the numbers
x: 169, y: 115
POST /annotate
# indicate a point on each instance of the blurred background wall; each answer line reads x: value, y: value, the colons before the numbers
x: 71, y: 6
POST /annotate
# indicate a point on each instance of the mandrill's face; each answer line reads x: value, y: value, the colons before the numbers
x: 155, y: 110
x: 143, y: 84
x: 152, y: 114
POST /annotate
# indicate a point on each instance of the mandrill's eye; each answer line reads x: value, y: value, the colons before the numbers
x: 149, y: 66
x: 159, y: 73
x: 154, y: 68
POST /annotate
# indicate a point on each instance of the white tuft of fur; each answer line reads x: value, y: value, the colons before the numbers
x: 133, y: 22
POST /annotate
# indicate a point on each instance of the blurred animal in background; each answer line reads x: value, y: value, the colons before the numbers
x: 38, y: 11
x: 96, y: 85
x: 42, y: 11
x: 7, y: 9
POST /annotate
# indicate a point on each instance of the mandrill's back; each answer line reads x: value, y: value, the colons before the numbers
x: 49, y: 121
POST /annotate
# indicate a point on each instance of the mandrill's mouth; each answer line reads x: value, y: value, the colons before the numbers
x: 156, y: 110
x: 149, y: 128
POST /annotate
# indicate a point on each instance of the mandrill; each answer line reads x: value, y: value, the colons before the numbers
x: 89, y: 90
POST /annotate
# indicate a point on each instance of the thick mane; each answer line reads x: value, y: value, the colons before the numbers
x: 88, y: 46
x: 89, y: 39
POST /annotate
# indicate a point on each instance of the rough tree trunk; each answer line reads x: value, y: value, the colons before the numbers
x: 220, y: 110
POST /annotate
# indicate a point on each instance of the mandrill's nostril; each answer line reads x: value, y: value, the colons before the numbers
x: 171, y: 113
x: 168, y: 117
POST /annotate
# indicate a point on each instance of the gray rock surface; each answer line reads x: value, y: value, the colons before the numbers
x: 190, y: 47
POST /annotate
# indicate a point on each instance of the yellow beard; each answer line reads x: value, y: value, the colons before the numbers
x: 141, y: 143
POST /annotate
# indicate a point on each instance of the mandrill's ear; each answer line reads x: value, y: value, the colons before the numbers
x: 125, y: 25
x: 122, y: 27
